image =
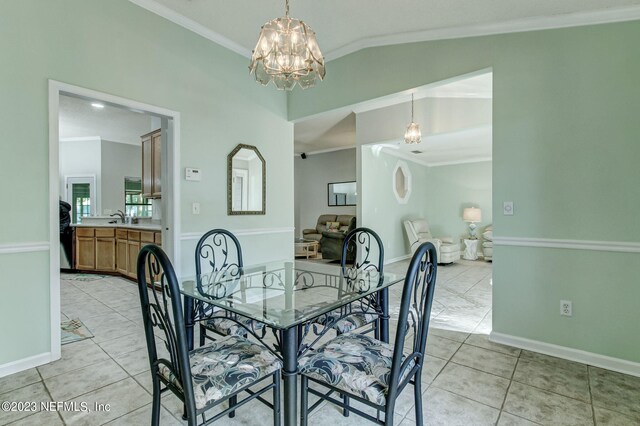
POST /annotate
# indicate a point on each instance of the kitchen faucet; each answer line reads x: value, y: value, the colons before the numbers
x: 120, y: 214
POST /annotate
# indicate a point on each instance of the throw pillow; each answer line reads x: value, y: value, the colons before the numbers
x: 333, y: 226
x: 488, y: 234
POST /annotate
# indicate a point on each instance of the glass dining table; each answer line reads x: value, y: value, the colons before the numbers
x: 292, y: 305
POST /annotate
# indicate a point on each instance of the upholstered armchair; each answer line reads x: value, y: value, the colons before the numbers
x: 418, y: 232
x: 487, y: 243
x: 315, y: 234
x: 332, y: 241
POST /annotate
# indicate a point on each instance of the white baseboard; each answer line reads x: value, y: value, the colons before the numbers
x: 25, y: 364
x: 589, y: 358
x: 397, y: 259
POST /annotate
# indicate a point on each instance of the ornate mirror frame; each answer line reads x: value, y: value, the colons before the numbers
x: 230, y: 210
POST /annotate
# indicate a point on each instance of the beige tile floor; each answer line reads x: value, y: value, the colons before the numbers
x: 467, y: 380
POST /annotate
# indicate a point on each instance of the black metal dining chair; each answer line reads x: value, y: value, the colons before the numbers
x: 369, y: 370
x: 366, y: 248
x: 219, y: 258
x: 207, y: 376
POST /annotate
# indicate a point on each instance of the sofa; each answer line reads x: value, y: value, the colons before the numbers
x: 487, y: 243
x: 315, y: 234
x: 332, y: 241
x: 418, y: 232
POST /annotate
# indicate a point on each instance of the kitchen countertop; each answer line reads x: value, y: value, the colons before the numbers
x: 139, y: 226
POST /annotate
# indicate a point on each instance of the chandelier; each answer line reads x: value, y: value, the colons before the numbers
x: 412, y: 135
x: 287, y: 53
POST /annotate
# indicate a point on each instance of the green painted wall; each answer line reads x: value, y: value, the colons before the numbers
x: 121, y: 49
x: 449, y: 189
x: 439, y: 194
x: 565, y: 151
x: 380, y: 208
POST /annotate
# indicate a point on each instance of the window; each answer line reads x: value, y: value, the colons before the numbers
x: 134, y: 203
x: 80, y: 201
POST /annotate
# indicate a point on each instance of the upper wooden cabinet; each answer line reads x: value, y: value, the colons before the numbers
x: 152, y: 164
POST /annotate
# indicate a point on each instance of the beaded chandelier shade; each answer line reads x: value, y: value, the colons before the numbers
x: 413, y: 134
x: 287, y: 53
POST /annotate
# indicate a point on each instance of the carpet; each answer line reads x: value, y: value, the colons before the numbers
x: 81, y: 277
x: 74, y: 330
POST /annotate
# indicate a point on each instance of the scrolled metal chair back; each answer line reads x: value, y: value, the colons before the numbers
x: 162, y: 309
x: 365, y: 247
x: 218, y: 257
x: 415, y: 310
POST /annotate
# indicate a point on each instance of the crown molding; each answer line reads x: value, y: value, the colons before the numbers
x: 537, y: 23
x: 190, y: 24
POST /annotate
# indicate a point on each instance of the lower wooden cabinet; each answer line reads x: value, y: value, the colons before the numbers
x: 111, y: 250
x: 133, y: 248
x: 85, y: 253
x: 122, y: 256
x: 106, y: 254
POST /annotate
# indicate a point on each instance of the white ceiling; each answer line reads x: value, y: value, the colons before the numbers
x: 346, y: 26
x: 78, y: 119
x: 446, y: 137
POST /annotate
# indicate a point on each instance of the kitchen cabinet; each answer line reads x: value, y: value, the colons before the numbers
x: 152, y: 164
x: 112, y: 249
x: 85, y: 249
x: 105, y: 249
x: 122, y: 256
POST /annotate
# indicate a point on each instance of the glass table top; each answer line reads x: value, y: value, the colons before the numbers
x: 285, y: 293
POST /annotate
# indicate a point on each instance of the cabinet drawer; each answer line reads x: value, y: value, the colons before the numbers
x: 105, y: 232
x: 121, y: 234
x: 146, y: 236
x: 84, y: 232
x: 158, y: 238
x: 133, y: 235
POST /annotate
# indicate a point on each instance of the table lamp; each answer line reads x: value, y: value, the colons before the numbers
x: 472, y: 215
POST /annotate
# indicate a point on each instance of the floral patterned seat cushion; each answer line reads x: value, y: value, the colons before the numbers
x: 355, y: 363
x: 348, y: 323
x: 224, y: 366
x: 226, y: 326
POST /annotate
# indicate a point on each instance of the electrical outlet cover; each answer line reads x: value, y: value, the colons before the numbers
x: 566, y: 308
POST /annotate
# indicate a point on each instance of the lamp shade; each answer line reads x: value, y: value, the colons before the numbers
x: 472, y: 214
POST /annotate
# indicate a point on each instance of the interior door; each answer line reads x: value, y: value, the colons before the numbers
x: 81, y: 194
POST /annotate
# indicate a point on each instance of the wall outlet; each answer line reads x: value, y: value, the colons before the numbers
x: 566, y: 308
x: 195, y: 208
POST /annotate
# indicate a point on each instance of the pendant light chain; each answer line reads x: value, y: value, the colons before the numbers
x: 411, y: 104
x: 286, y: 8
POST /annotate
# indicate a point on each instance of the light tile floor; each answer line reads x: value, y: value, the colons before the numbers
x: 467, y: 380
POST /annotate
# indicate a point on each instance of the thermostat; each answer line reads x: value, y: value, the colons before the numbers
x: 192, y: 174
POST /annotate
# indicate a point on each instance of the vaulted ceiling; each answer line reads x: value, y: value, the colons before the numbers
x: 344, y: 26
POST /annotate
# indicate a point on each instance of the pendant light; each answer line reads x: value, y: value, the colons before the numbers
x: 287, y: 53
x: 412, y: 135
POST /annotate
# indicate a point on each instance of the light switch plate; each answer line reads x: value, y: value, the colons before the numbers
x: 507, y: 208
x: 195, y: 208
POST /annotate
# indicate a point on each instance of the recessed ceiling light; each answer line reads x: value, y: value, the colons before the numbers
x: 97, y: 105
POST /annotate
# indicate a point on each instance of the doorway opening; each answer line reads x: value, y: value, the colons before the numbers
x: 103, y: 206
x: 436, y: 181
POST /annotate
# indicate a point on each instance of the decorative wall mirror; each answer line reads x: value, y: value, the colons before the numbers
x: 246, y: 181
x: 341, y: 194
